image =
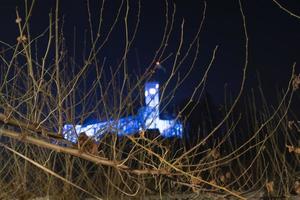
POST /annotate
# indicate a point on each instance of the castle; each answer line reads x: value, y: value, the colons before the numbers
x: 147, y: 118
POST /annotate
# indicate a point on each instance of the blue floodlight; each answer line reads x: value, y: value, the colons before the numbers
x: 146, y: 119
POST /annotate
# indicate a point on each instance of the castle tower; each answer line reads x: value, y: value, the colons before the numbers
x: 152, y: 102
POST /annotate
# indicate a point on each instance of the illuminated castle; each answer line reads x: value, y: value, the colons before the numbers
x: 146, y: 119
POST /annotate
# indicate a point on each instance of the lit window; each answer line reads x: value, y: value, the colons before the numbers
x: 146, y: 93
x: 152, y: 91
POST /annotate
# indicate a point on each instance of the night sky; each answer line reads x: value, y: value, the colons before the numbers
x: 274, y: 37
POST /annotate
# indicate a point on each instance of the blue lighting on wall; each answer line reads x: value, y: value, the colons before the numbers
x: 146, y: 119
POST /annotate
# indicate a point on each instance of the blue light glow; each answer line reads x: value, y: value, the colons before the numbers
x: 146, y: 119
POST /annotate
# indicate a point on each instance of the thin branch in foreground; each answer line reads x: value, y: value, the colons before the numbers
x: 75, y: 152
x: 286, y: 10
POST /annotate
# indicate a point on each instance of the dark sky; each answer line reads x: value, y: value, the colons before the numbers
x: 274, y: 37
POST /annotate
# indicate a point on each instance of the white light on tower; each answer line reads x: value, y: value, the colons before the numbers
x: 152, y: 91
